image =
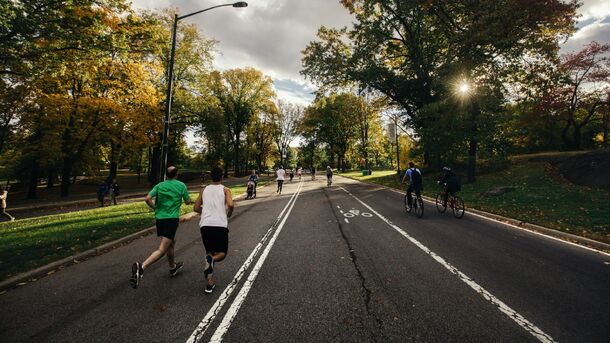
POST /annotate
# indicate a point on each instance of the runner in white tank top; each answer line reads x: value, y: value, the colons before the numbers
x: 215, y: 204
x: 213, y: 209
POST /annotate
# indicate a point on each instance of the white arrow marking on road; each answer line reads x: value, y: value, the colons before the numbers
x: 243, y: 293
x: 512, y: 314
x: 213, y: 311
x: 347, y: 221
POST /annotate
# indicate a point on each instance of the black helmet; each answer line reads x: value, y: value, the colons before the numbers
x: 446, y: 169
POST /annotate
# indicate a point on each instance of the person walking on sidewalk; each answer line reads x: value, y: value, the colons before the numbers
x: 169, y: 196
x: 215, y: 204
x: 114, y: 191
x: 3, y: 196
x: 281, y: 174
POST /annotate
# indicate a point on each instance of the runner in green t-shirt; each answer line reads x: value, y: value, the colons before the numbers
x: 168, y: 197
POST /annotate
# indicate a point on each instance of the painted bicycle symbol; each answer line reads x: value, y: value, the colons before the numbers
x: 354, y: 213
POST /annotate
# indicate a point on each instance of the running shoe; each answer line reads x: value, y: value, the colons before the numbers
x: 210, y: 288
x: 175, y: 270
x: 209, y: 266
x: 136, y: 274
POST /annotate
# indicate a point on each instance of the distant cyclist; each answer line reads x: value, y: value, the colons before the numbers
x: 451, y: 184
x: 413, y: 176
x: 329, y: 175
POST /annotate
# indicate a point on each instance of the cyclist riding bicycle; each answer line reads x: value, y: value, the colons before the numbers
x: 413, y: 176
x: 451, y: 183
x: 329, y: 174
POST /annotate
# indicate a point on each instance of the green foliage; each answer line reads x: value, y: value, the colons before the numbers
x: 416, y: 53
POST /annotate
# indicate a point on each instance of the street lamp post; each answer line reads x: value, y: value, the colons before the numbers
x: 170, y: 81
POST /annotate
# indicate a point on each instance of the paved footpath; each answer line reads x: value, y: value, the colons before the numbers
x: 338, y: 264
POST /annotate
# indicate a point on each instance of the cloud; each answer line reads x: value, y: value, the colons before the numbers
x: 268, y: 35
x: 594, y: 9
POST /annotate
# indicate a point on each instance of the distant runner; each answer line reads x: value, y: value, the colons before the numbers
x: 281, y: 173
x: 168, y: 199
x: 215, y: 204
x: 3, y: 196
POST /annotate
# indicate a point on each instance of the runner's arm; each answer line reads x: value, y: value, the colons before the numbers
x: 150, y: 196
x: 198, y: 203
x: 149, y: 201
x: 229, y: 202
x: 186, y: 196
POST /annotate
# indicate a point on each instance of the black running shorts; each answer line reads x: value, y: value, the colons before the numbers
x: 167, y: 227
x: 215, y: 239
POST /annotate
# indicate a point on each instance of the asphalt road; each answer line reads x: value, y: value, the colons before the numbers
x: 338, y: 264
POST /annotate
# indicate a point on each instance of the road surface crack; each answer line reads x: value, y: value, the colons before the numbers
x: 377, y: 336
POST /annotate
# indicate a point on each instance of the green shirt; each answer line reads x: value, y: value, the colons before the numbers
x: 170, y: 195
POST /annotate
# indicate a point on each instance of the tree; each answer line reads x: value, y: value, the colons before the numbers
x: 241, y: 93
x: 331, y: 120
x: 285, y: 122
x: 411, y: 50
x: 581, y: 91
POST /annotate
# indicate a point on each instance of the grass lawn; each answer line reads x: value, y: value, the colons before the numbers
x: 537, y: 198
x: 30, y: 243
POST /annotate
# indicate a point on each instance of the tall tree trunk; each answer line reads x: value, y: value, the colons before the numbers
x: 33, y: 180
x: 51, y: 179
x: 606, y: 123
x: 155, y: 166
x: 472, y: 160
x: 564, y: 133
x: 576, y: 137
x: 472, y: 151
x: 115, y: 150
x: 66, y: 173
x: 236, y: 147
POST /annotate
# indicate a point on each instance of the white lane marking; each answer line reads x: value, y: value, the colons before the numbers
x: 349, y: 215
x: 512, y: 314
x: 338, y: 206
x: 522, y: 228
x: 213, y: 311
x: 347, y: 221
x: 341, y: 211
x: 366, y: 214
x: 243, y: 293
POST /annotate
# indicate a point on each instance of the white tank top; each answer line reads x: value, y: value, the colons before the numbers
x: 213, y: 208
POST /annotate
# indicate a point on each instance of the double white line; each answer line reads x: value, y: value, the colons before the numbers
x: 205, y: 323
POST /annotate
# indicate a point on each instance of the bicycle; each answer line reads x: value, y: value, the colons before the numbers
x: 454, y: 202
x: 418, y: 205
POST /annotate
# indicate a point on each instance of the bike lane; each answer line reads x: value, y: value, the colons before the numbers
x: 561, y: 288
x: 338, y: 273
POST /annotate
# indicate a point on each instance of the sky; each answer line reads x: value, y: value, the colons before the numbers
x: 270, y: 34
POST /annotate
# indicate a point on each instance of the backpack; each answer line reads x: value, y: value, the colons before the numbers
x: 416, y: 178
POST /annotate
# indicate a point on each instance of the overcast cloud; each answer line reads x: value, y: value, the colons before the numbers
x: 270, y: 34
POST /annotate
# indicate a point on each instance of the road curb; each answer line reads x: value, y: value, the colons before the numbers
x: 568, y: 237
x: 35, y: 274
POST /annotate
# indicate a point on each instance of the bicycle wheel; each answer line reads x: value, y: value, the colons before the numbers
x: 419, y: 207
x: 458, y: 207
x: 407, y: 208
x: 439, y: 203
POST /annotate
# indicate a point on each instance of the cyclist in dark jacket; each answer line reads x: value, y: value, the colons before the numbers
x: 451, y: 182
